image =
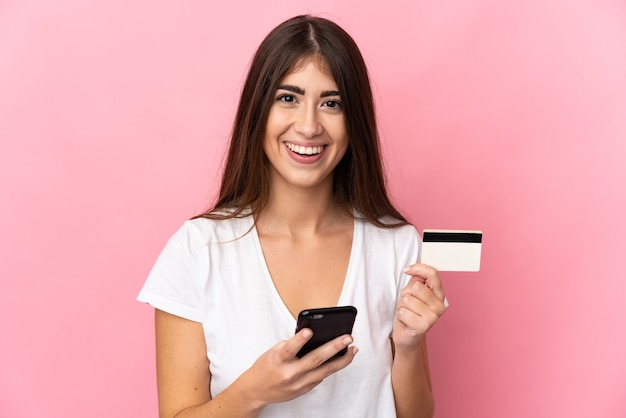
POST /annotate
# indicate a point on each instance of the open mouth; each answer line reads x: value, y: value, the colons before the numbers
x: 305, y: 151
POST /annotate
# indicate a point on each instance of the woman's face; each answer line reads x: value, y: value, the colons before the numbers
x: 305, y: 136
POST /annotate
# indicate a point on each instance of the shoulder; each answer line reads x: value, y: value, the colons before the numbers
x: 202, y: 231
x: 400, y: 240
x: 406, y: 232
x: 387, y: 250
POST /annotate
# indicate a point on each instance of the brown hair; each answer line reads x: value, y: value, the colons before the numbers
x: 359, y: 183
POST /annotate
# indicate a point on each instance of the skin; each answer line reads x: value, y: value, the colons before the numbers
x: 301, y: 231
x: 420, y: 305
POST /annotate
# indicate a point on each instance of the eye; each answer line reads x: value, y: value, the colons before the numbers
x: 286, y: 98
x: 333, y: 104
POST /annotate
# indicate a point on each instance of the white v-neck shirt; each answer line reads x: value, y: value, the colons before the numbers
x: 214, y: 272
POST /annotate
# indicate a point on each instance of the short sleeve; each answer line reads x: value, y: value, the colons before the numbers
x: 174, y: 283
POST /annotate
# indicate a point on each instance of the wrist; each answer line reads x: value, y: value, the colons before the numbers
x: 410, y: 349
x: 240, y: 396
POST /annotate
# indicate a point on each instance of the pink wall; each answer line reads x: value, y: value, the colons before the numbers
x: 504, y: 116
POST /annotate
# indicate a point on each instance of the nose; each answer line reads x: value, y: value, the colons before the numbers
x: 307, y: 122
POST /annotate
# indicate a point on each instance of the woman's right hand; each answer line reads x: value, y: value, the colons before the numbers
x: 276, y: 376
x: 279, y: 376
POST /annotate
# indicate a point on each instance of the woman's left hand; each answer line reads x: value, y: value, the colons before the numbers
x: 421, y: 303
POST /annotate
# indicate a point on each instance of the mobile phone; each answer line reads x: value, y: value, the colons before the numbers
x: 326, y: 324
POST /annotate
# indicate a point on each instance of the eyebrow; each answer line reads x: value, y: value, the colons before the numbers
x: 298, y: 90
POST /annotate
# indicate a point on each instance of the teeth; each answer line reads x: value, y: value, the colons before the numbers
x: 298, y: 149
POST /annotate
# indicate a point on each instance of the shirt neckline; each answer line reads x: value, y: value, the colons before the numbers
x: 355, y: 254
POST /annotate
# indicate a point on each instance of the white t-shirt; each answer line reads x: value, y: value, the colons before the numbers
x: 214, y: 272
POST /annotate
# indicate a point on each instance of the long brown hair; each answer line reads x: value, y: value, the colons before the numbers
x: 359, y: 182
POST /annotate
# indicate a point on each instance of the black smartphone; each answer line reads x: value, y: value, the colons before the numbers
x: 326, y: 324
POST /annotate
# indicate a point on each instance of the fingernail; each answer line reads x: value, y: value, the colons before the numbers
x: 406, y: 269
x: 347, y: 340
x: 307, y: 333
x: 445, y: 302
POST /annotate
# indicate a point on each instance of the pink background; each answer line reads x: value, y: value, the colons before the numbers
x: 505, y: 116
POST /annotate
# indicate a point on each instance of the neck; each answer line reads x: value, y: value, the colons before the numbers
x: 300, y: 211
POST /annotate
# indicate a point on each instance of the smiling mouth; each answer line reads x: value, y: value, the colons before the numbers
x: 300, y: 150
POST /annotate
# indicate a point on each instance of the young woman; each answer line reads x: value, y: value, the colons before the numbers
x: 302, y: 221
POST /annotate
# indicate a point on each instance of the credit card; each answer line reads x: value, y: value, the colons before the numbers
x: 452, y: 250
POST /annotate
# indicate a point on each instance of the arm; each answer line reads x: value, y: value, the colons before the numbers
x: 420, y: 305
x: 410, y: 378
x: 183, y: 376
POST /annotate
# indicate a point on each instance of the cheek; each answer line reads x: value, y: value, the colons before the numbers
x: 342, y: 138
x: 271, y: 132
x: 344, y: 147
x: 271, y: 147
x: 269, y: 125
x: 276, y: 124
x: 337, y: 130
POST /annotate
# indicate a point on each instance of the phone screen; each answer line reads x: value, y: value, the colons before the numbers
x: 326, y: 324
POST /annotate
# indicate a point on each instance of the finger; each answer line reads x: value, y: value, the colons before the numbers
x: 295, y: 343
x: 326, y: 351
x: 427, y: 275
x: 424, y: 293
x: 328, y: 367
x: 340, y: 362
x: 417, y: 323
x: 316, y: 375
x: 421, y: 299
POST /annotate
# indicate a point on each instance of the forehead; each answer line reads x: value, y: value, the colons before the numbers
x: 310, y: 62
